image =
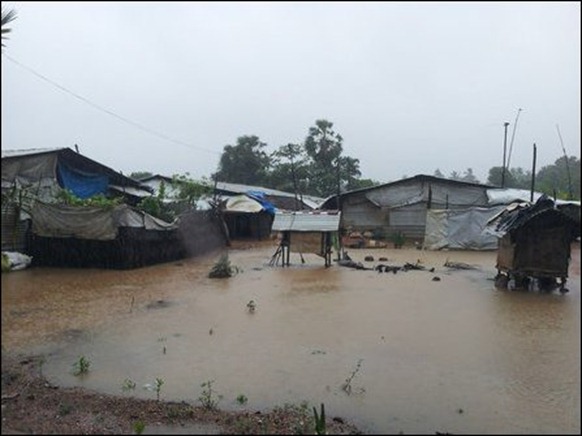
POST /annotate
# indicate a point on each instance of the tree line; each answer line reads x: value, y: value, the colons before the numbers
x: 558, y: 180
x: 319, y: 167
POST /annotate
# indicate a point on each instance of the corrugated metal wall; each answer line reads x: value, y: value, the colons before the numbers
x: 13, y: 230
x: 402, y: 208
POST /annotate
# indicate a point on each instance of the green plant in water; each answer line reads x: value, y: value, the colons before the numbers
x: 319, y: 420
x: 208, y: 398
x: 398, y: 239
x: 242, y: 399
x: 81, y: 366
x: 222, y: 268
x: 158, y: 387
x: 138, y: 427
x: 128, y: 385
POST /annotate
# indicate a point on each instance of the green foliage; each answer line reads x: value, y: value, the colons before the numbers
x: 69, y: 198
x: 315, y: 167
x: 140, y: 175
x: 242, y: 399
x: 128, y: 385
x: 81, y: 366
x: 158, y: 387
x: 190, y: 190
x: 319, y: 420
x: 8, y: 15
x: 562, y: 179
x: 557, y: 179
x: 246, y: 162
x: 223, y: 268
x: 208, y: 398
x: 327, y: 167
x: 138, y: 427
x: 398, y: 239
x: 363, y: 183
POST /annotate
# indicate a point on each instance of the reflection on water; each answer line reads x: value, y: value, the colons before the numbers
x: 454, y: 355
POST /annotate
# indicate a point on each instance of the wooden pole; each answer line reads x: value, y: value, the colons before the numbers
x: 504, y: 154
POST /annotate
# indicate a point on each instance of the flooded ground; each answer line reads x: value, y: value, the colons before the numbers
x: 421, y: 355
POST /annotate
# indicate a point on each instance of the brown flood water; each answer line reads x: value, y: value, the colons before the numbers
x: 455, y: 355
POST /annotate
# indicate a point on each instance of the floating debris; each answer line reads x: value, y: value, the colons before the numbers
x: 459, y: 265
x: 251, y: 305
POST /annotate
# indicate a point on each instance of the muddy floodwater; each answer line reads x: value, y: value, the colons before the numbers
x: 423, y: 351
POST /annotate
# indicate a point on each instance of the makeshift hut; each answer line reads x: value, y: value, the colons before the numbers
x: 305, y: 232
x: 247, y: 217
x: 119, y: 237
x: 279, y: 199
x: 43, y: 174
x: 534, y: 244
x: 400, y: 208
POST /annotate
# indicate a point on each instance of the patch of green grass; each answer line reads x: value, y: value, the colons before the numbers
x: 209, y: 398
x: 138, y: 427
x: 81, y: 366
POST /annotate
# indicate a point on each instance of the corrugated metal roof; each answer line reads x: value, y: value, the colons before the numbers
x: 306, y: 221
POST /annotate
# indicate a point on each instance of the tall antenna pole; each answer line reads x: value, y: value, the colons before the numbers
x: 504, y: 153
x: 570, y: 193
x: 513, y: 136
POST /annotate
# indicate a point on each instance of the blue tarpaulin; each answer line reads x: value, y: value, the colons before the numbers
x: 81, y: 183
x: 260, y: 197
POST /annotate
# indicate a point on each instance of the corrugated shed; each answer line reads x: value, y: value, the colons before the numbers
x: 306, y: 222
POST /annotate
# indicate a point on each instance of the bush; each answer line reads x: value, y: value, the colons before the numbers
x: 223, y: 268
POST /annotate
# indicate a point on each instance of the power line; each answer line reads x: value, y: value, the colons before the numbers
x: 107, y: 111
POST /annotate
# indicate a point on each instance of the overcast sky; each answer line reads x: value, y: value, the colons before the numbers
x: 411, y: 87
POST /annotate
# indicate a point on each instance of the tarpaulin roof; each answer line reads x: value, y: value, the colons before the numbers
x: 517, y: 215
x: 74, y: 171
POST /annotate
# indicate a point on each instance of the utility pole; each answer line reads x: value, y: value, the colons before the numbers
x: 504, y: 153
x: 570, y: 193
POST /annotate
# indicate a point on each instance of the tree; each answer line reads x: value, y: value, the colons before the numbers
x: 469, y: 177
x: 289, y: 170
x: 517, y: 178
x: 455, y: 176
x: 328, y: 169
x: 439, y: 174
x: 8, y: 15
x: 139, y: 175
x: 364, y: 183
x: 190, y: 190
x: 245, y: 163
x: 553, y: 179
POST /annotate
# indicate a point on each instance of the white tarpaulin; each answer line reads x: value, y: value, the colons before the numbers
x: 460, y: 228
x: 242, y: 203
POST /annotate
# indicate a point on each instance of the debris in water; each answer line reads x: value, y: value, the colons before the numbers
x: 251, y: 306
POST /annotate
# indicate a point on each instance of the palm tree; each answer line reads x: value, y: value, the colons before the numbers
x: 7, y: 17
